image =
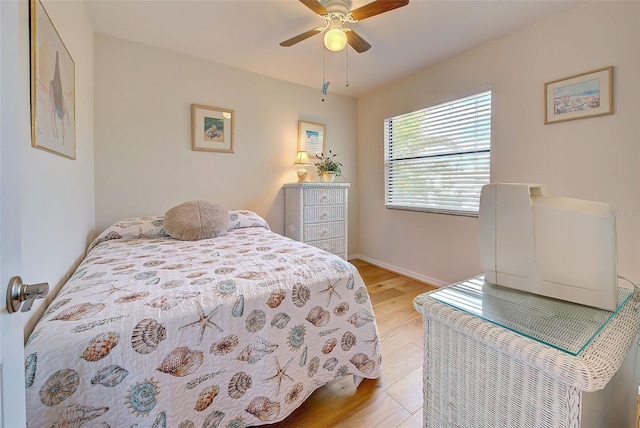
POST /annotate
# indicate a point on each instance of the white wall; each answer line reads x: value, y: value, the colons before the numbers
x: 58, y: 207
x: 144, y: 161
x: 594, y: 158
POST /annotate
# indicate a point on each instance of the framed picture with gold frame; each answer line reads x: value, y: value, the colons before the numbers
x: 212, y: 129
x: 53, y: 107
x: 579, y: 96
x: 311, y: 138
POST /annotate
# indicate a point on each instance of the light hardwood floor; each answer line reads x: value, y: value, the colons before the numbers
x: 395, y: 399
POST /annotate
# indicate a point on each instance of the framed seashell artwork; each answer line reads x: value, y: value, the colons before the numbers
x: 212, y: 129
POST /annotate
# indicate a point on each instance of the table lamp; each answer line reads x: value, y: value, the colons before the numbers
x: 302, y: 159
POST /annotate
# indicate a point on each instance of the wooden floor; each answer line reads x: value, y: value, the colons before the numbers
x: 395, y: 399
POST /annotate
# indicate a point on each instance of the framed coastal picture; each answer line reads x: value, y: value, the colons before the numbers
x: 53, y: 118
x: 311, y: 138
x: 582, y: 95
x: 212, y: 129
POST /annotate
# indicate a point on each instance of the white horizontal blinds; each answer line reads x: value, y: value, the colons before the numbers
x: 437, y: 159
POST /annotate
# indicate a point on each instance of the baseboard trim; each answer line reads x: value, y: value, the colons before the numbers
x: 399, y: 271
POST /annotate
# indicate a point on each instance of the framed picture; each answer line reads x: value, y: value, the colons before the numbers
x: 53, y: 107
x: 583, y: 95
x: 211, y: 129
x: 311, y: 138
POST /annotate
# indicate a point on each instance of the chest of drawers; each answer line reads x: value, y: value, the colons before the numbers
x: 316, y: 214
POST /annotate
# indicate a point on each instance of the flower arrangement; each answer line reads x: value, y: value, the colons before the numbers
x: 328, y: 163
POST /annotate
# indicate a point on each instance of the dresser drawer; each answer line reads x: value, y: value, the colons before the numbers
x: 324, y: 197
x: 320, y: 214
x: 335, y: 246
x: 315, y: 232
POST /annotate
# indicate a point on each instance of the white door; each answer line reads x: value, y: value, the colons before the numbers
x: 13, y: 107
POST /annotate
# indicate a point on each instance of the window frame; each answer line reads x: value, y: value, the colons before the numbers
x: 471, y: 155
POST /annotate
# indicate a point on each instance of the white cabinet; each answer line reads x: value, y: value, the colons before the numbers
x: 316, y: 214
x: 572, y: 365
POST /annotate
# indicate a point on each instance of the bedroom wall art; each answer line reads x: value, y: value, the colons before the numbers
x: 582, y: 95
x: 53, y: 120
x: 311, y: 138
x: 212, y: 129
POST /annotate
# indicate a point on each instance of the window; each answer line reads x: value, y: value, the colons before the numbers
x: 437, y: 158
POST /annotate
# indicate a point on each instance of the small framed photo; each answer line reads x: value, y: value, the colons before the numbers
x: 576, y: 97
x: 53, y: 111
x: 212, y: 129
x: 311, y: 137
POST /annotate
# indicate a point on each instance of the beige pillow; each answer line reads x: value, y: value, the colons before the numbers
x: 196, y: 220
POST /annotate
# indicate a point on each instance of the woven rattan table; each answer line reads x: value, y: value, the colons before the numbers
x: 481, y: 372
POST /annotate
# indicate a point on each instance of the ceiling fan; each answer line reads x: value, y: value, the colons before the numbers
x: 338, y: 12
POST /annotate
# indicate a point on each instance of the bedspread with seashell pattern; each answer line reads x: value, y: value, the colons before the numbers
x: 232, y: 331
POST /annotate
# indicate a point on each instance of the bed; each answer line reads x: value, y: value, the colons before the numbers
x: 233, y: 331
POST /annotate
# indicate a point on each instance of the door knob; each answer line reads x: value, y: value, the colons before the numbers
x: 18, y: 292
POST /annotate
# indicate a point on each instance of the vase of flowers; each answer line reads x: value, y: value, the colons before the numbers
x: 328, y: 166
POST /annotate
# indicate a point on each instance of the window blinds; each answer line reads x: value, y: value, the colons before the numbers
x: 437, y: 158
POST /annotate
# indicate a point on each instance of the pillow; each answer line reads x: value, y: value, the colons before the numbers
x: 148, y: 227
x: 243, y: 218
x: 196, y: 220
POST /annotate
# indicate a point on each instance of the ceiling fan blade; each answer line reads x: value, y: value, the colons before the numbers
x: 315, y: 6
x: 300, y: 37
x: 376, y: 7
x: 356, y: 42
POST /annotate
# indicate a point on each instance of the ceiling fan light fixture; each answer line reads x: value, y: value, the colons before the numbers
x: 335, y: 39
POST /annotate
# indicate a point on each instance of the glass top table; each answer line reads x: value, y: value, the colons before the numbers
x: 566, y: 326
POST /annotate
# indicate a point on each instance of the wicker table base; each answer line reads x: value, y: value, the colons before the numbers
x: 477, y: 374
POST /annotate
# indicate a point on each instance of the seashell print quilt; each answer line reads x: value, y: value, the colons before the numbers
x: 232, y: 331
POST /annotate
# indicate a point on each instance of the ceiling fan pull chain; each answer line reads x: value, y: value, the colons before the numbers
x: 346, y: 83
x: 325, y: 84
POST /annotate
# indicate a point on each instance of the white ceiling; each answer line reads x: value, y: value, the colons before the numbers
x: 246, y: 34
